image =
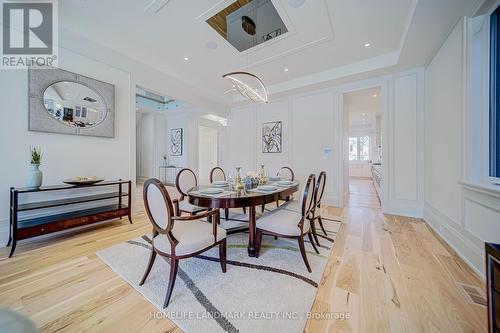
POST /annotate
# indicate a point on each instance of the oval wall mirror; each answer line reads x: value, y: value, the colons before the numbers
x: 74, y: 104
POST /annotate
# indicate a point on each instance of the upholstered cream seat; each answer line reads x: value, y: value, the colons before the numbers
x: 189, y: 208
x: 284, y: 222
x: 192, y: 236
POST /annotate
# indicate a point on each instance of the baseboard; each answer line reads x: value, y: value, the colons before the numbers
x: 411, y: 209
x: 447, y: 230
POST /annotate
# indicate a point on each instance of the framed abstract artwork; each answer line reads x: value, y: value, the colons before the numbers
x: 176, y: 142
x: 272, y: 135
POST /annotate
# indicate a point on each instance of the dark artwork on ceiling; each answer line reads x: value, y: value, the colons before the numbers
x: 272, y: 137
x: 176, y: 142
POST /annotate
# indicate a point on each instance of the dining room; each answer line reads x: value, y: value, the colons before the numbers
x: 250, y: 166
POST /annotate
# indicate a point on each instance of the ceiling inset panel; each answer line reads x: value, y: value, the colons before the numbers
x: 248, y: 23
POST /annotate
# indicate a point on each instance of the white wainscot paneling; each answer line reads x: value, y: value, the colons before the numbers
x: 272, y: 112
x: 313, y: 130
x: 482, y: 216
x: 242, y: 145
x: 405, y: 130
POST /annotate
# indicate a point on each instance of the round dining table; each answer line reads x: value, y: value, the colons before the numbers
x: 245, y: 198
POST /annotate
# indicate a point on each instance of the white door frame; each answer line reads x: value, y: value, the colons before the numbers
x: 384, y: 92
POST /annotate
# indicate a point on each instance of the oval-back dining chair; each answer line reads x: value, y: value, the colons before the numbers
x: 186, y: 180
x: 318, y: 195
x: 289, y: 224
x: 285, y: 173
x: 217, y: 174
x: 174, y: 237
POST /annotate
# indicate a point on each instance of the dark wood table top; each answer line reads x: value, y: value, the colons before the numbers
x: 241, y: 198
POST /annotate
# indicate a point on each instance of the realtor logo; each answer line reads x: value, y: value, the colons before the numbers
x: 29, y: 33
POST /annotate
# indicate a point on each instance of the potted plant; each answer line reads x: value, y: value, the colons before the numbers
x: 35, y: 176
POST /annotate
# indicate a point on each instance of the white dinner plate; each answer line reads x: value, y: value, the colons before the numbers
x: 211, y: 191
x: 267, y: 188
x: 220, y: 183
x: 274, y: 179
x: 284, y: 183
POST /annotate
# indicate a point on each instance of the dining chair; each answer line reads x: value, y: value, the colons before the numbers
x: 290, y: 224
x: 285, y: 173
x: 217, y: 174
x: 316, y: 207
x: 186, y: 180
x: 178, y: 237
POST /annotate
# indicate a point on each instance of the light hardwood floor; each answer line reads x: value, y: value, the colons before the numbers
x: 387, y: 273
x: 393, y: 274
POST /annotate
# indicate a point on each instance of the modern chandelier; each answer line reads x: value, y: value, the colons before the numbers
x: 249, y: 86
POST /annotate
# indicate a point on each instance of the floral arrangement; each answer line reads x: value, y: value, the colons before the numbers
x: 36, y: 155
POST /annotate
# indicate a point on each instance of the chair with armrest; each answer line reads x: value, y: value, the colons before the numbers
x: 179, y: 237
x: 289, y: 224
x: 316, y: 208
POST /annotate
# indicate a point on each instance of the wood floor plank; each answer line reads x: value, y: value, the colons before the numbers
x: 385, y: 274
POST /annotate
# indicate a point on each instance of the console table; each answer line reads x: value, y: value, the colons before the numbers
x: 84, y: 208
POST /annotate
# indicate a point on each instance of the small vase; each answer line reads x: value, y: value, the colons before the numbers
x: 34, y: 176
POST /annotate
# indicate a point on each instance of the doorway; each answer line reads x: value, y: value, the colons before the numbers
x: 362, y: 137
x: 208, y: 152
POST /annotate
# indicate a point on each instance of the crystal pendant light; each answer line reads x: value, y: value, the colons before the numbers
x: 249, y: 86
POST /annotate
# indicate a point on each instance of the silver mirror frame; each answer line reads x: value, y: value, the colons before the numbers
x: 39, y: 79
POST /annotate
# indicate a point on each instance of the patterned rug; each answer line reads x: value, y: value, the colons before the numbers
x: 272, y: 293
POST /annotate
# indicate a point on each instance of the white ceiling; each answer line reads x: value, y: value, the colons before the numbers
x: 325, y: 42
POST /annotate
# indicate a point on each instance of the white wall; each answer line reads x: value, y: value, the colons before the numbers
x: 308, y: 120
x: 66, y: 156
x: 464, y: 214
x: 312, y: 122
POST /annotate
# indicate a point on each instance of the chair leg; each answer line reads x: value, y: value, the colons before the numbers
x: 152, y: 258
x: 303, y: 252
x: 277, y: 203
x: 262, y: 208
x: 226, y: 213
x: 222, y: 255
x: 313, y: 229
x: 258, y: 241
x: 321, y: 225
x: 275, y: 237
x: 174, y: 265
x: 309, y: 234
x: 244, y: 210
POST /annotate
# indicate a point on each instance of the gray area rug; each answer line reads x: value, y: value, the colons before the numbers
x: 272, y: 293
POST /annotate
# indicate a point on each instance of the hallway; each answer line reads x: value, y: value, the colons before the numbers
x: 362, y: 193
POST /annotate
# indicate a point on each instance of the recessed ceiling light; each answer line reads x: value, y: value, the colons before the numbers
x: 374, y: 95
x: 364, y: 114
x: 296, y: 3
x: 186, y: 58
x: 286, y: 69
x: 367, y: 44
x: 212, y: 45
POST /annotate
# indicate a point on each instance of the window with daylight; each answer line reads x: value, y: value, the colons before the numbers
x: 494, y: 120
x: 359, y: 148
